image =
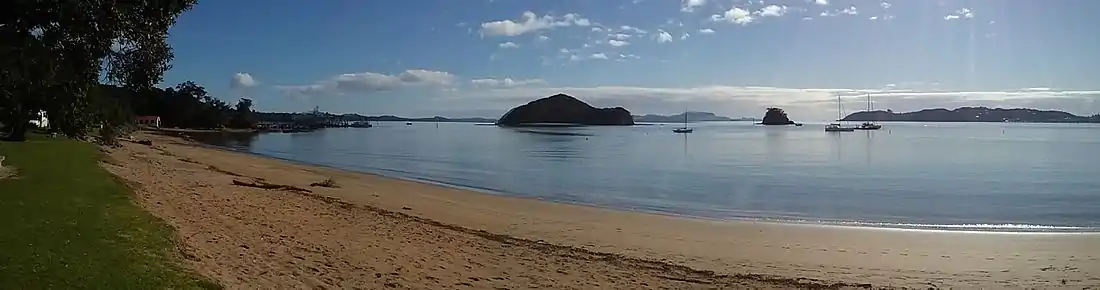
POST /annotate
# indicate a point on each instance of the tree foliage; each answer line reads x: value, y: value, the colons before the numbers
x: 187, y: 105
x: 54, y: 55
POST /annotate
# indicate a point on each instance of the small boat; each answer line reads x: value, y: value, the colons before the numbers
x: 685, y: 129
x: 834, y: 127
x: 869, y: 125
x: 408, y: 123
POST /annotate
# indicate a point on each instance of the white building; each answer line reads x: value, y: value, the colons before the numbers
x: 41, y: 121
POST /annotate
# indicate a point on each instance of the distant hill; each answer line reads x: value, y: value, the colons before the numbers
x: 388, y: 118
x: 974, y: 114
x: 288, y: 117
x: 692, y: 117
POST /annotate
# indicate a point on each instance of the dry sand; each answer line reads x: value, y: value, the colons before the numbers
x: 376, y: 233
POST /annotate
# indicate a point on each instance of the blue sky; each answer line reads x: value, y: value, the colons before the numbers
x: 481, y: 57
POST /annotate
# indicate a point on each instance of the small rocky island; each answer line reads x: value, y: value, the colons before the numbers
x: 776, y: 116
x: 562, y: 109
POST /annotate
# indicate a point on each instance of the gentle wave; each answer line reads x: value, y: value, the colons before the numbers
x: 967, y: 227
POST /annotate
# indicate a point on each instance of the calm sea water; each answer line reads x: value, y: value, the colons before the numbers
x: 971, y: 176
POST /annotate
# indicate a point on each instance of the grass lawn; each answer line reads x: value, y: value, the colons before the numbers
x: 68, y: 223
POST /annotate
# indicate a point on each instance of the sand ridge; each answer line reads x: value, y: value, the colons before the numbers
x: 374, y: 232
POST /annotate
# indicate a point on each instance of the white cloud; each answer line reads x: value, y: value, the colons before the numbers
x: 821, y: 2
x: 242, y: 80
x: 772, y: 10
x: 530, y: 22
x: 419, y: 76
x: 961, y: 13
x: 542, y: 38
x: 615, y: 42
x: 628, y: 56
x: 734, y: 15
x: 851, y: 10
x: 664, y: 37
x: 575, y: 19
x: 706, y: 31
x: 619, y: 36
x: 801, y: 103
x: 690, y: 5
x: 685, y: 36
x: 371, y: 82
x: 628, y: 28
x: 965, y: 13
x: 597, y: 29
x: 598, y: 56
x: 575, y: 58
x: 885, y: 5
x: 509, y: 45
x: 505, y: 83
x: 873, y: 18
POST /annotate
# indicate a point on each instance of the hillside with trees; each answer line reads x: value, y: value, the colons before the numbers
x: 187, y: 105
x: 91, y: 66
x: 55, y: 55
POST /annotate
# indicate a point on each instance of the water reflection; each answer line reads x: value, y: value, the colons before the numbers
x: 773, y: 142
x: 867, y: 145
x: 685, y: 146
x: 556, y: 144
x: 237, y: 141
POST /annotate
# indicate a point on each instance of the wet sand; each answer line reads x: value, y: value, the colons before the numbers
x: 374, y: 232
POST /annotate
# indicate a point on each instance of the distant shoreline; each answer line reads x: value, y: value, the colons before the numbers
x: 973, y: 114
x: 963, y: 121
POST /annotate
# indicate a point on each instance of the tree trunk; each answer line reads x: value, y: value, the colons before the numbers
x: 18, y: 131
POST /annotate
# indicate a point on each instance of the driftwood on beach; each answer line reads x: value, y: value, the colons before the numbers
x: 266, y: 185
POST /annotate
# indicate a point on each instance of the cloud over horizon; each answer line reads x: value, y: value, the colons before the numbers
x: 736, y: 101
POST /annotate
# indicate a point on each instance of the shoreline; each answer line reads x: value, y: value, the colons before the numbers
x: 988, y: 228
x: 819, y: 254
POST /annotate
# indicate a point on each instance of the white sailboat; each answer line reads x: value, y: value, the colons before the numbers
x: 685, y: 128
x: 869, y: 125
x: 836, y: 127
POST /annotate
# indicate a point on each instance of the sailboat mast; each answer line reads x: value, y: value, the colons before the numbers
x: 838, y: 117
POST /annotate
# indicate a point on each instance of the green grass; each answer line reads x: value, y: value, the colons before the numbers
x: 68, y: 223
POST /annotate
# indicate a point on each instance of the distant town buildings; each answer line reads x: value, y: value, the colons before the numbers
x: 151, y: 121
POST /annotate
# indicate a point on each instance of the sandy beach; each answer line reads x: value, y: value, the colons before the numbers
x: 373, y: 232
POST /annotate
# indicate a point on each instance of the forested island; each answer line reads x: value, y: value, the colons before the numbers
x: 974, y: 114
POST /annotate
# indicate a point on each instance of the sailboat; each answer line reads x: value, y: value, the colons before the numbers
x: 869, y: 125
x: 836, y: 127
x: 685, y: 128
